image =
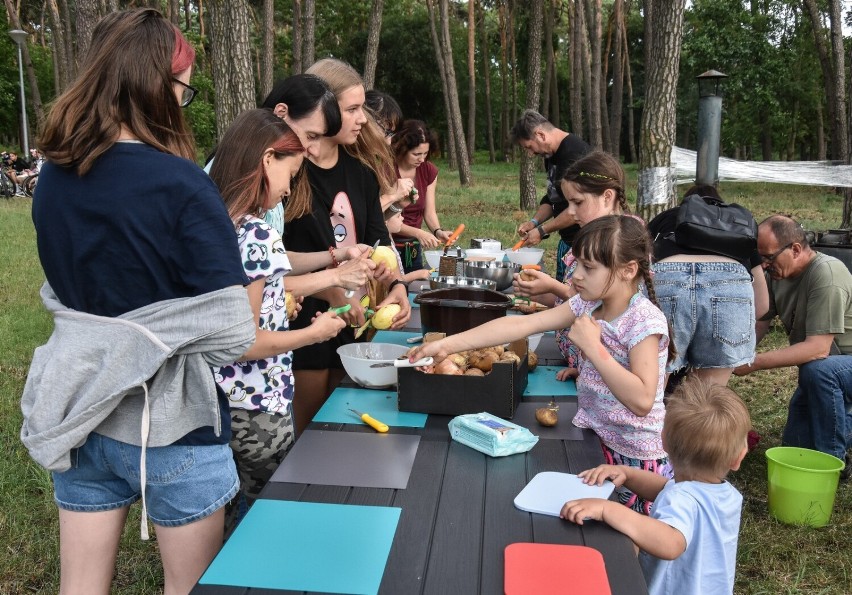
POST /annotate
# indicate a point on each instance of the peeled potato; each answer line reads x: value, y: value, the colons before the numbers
x: 383, y: 254
x: 384, y: 317
x: 290, y: 304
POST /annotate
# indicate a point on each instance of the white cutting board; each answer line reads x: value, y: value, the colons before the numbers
x: 548, y: 491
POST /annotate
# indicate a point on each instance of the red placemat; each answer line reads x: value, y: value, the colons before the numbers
x: 548, y: 569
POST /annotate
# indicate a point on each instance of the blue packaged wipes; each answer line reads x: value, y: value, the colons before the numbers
x: 491, y: 435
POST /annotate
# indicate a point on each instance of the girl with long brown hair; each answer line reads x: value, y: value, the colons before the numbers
x: 259, y: 165
x: 141, y: 260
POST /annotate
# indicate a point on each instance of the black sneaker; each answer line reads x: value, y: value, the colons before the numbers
x: 847, y: 470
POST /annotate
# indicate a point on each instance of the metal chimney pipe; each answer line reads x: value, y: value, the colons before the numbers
x: 709, y: 127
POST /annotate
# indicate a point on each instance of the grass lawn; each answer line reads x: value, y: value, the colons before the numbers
x: 773, y: 558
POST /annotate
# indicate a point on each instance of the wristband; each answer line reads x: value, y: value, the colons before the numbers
x: 396, y: 282
x: 534, y: 221
x: 436, y: 230
x: 334, y: 262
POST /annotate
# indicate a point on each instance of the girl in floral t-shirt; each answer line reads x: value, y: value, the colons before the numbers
x: 258, y: 160
x: 623, y: 339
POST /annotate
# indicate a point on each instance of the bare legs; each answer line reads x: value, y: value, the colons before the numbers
x: 88, y: 546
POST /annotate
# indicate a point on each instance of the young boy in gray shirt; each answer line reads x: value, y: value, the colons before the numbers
x: 689, y: 542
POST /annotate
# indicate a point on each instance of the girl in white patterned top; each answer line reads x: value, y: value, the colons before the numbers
x: 623, y: 339
x: 258, y: 165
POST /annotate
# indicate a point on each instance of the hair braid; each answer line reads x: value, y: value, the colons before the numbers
x: 652, y: 295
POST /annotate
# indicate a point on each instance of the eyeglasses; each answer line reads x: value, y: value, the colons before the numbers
x: 189, y: 93
x: 770, y: 259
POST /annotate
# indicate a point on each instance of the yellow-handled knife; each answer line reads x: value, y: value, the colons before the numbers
x: 373, y: 423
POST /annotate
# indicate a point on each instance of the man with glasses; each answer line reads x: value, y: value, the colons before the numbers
x: 812, y: 294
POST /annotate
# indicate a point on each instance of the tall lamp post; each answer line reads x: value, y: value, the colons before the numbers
x: 709, y: 126
x: 20, y: 38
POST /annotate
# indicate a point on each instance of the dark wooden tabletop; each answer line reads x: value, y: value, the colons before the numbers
x: 458, y: 513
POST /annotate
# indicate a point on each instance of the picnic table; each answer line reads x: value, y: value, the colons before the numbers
x: 444, y: 532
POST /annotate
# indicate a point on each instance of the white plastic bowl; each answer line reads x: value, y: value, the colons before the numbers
x: 534, y: 340
x: 433, y: 258
x: 525, y: 255
x: 358, y: 357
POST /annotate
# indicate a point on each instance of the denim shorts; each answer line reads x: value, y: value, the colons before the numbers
x: 183, y: 484
x: 710, y: 306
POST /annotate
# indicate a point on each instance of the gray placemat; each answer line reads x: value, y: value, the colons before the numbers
x: 563, y: 430
x: 350, y: 459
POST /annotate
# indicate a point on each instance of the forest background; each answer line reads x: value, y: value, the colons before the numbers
x: 619, y: 73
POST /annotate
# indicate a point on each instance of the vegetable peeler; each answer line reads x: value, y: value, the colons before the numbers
x: 373, y: 423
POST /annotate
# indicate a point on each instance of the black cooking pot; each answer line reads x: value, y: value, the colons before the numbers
x: 458, y: 309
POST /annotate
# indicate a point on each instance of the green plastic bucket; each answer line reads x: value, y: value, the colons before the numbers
x: 802, y: 485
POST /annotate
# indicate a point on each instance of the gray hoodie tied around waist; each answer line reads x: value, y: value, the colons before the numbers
x: 94, y: 372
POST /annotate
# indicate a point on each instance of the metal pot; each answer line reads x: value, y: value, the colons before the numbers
x: 459, y: 309
x: 499, y: 272
x: 444, y: 282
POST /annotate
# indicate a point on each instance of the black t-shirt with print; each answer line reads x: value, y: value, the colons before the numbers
x: 349, y: 193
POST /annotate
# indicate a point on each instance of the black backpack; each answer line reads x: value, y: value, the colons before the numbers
x: 712, y: 225
x: 7, y: 188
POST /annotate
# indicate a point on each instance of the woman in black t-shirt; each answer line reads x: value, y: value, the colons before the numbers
x: 350, y: 172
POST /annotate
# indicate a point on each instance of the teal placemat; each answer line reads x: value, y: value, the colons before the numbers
x: 305, y: 546
x: 380, y: 404
x: 543, y: 383
x: 411, y: 297
x: 395, y: 337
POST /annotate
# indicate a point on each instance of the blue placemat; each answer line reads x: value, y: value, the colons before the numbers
x: 380, y: 404
x: 395, y: 337
x: 305, y: 546
x: 543, y: 383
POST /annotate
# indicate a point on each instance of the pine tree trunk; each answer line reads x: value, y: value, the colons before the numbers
x: 827, y: 71
x: 504, y: 80
x: 840, y: 117
x: 34, y: 94
x: 615, y: 112
x: 575, y: 60
x: 267, y: 57
x: 471, y: 79
x: 60, y: 56
x: 174, y: 12
x: 230, y: 48
x: 657, y: 134
x: 201, y: 18
x: 465, y: 178
x: 442, y: 73
x: 373, y: 36
x: 70, y: 53
x: 586, y: 63
x: 513, y: 60
x: 486, y: 76
x: 549, y: 58
x: 309, y: 45
x: 631, y: 110
x: 594, y: 49
x: 187, y: 14
x: 88, y: 14
x: 533, y: 83
x: 297, y: 37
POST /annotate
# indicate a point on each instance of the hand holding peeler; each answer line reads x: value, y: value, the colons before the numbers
x: 404, y: 363
x: 373, y: 423
x: 351, y: 292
